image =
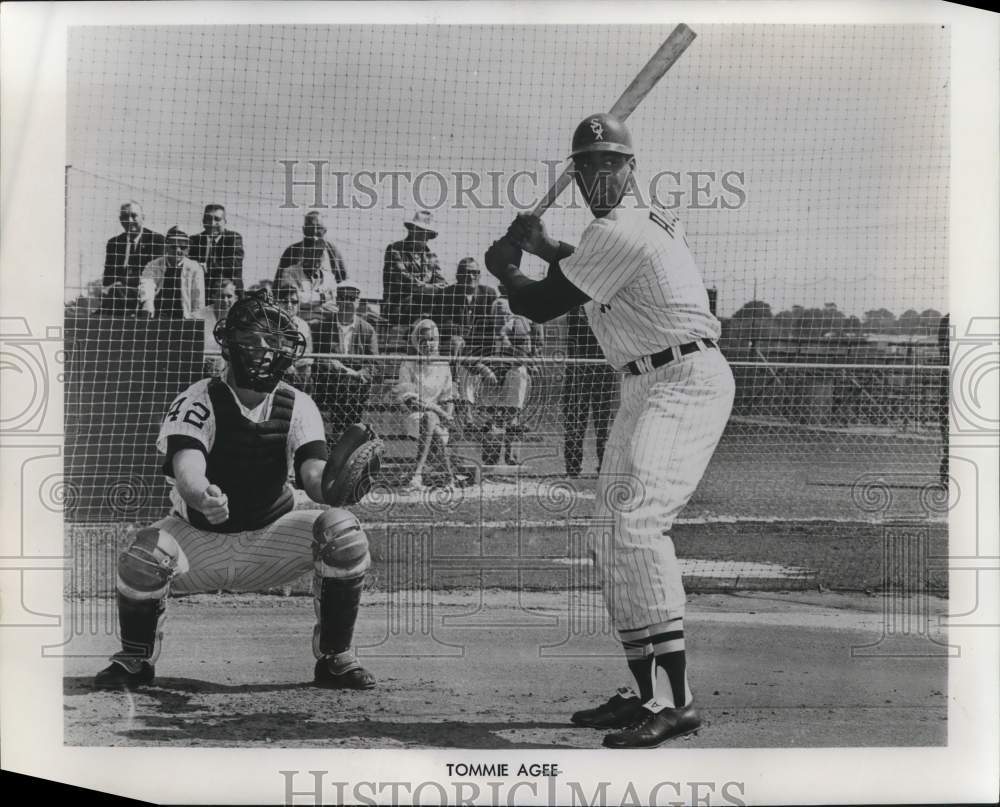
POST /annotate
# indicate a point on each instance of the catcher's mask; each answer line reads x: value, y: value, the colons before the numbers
x: 260, y: 341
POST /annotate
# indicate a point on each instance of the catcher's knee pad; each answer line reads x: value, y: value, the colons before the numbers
x: 340, y: 546
x: 146, y: 568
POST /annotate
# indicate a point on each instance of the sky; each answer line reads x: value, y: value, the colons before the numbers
x: 832, y: 141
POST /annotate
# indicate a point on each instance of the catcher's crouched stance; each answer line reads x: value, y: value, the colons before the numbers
x: 230, y: 444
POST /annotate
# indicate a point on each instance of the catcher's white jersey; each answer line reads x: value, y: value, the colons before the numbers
x: 646, y: 292
x: 191, y: 415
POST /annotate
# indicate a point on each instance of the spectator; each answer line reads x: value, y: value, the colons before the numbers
x: 217, y: 249
x: 503, y: 427
x: 223, y: 296
x: 410, y: 270
x: 588, y: 392
x: 502, y: 316
x: 173, y: 286
x: 317, y: 288
x: 462, y: 311
x: 342, y: 388
x: 125, y: 256
x: 494, y: 393
x: 424, y: 389
x: 300, y: 372
x: 314, y: 251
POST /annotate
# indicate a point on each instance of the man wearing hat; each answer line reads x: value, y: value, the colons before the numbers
x: 314, y: 251
x: 410, y: 270
x: 342, y: 387
x: 173, y: 287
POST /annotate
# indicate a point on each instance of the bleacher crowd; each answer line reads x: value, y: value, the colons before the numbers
x: 468, y: 358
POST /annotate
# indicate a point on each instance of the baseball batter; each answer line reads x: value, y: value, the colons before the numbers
x: 647, y: 305
x: 230, y: 444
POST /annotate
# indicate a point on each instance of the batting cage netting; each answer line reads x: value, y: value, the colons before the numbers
x: 360, y: 172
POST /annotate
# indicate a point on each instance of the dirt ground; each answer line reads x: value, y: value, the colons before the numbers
x: 495, y: 669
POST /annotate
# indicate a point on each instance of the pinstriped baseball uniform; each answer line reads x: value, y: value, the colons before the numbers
x: 647, y: 295
x: 249, y: 560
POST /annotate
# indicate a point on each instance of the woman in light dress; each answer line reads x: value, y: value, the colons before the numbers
x: 425, y: 389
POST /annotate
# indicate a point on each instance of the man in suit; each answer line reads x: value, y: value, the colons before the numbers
x: 314, y: 251
x: 342, y: 388
x: 125, y: 256
x: 462, y: 312
x: 218, y: 250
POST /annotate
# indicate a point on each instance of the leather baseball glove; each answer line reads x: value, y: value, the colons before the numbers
x: 354, y: 461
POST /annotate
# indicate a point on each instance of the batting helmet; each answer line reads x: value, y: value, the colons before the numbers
x: 260, y: 341
x: 601, y: 132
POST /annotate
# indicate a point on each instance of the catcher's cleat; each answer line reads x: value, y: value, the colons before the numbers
x: 342, y: 671
x: 652, y: 729
x: 116, y: 675
x: 620, y: 711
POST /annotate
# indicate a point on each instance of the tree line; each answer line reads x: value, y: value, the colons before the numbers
x: 757, y: 319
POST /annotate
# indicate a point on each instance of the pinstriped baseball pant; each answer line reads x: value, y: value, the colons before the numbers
x: 243, y: 561
x: 663, y: 436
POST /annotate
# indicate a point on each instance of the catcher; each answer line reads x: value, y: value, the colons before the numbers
x: 230, y: 444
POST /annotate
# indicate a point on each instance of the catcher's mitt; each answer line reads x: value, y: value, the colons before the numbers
x: 354, y: 460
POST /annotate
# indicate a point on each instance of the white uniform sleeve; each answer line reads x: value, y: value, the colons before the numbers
x: 190, y: 415
x: 306, y: 425
x: 606, y: 259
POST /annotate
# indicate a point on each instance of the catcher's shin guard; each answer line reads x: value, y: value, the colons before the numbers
x: 337, y: 603
x: 145, y: 570
x: 141, y: 626
x: 341, y: 558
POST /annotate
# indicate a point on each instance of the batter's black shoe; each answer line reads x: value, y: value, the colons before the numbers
x: 655, y: 728
x: 129, y: 675
x: 342, y: 671
x: 622, y: 710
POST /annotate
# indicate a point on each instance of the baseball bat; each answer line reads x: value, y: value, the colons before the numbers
x: 661, y: 61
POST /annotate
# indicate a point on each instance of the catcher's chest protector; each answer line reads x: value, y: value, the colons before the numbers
x: 249, y: 461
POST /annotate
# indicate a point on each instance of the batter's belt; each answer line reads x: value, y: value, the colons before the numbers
x: 649, y: 363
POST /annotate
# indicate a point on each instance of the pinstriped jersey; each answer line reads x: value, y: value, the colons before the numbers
x: 646, y: 292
